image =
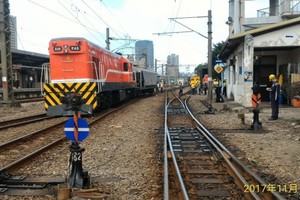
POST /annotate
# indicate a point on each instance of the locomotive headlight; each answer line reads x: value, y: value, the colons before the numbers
x: 76, y: 100
x: 72, y: 101
x: 65, y: 48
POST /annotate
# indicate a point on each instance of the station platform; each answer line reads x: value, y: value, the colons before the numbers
x: 23, y: 93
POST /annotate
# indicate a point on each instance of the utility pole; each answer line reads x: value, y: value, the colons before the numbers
x: 6, y: 57
x: 146, y: 61
x: 107, y: 39
x: 209, y: 49
x: 209, y: 24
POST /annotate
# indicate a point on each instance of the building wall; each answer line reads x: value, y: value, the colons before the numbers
x: 172, y: 68
x: 142, y: 48
x: 239, y: 88
x: 237, y: 15
x: 289, y: 36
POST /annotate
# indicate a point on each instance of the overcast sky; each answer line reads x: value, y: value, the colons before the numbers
x: 41, y: 20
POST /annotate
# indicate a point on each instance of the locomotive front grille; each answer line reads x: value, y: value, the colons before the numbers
x: 54, y: 91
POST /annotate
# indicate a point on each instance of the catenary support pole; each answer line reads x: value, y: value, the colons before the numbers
x: 107, y: 39
x: 209, y: 52
x: 6, y: 54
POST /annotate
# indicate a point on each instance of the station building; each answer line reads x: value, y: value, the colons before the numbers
x: 26, y: 67
x: 258, y: 47
x: 26, y: 73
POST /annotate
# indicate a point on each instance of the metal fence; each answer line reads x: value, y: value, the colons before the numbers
x: 287, y: 7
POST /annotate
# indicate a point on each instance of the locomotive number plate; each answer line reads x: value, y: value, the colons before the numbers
x: 74, y: 48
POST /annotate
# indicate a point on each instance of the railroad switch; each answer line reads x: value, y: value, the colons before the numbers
x: 79, y: 177
x: 76, y: 129
x: 256, y: 101
x: 210, y: 110
x: 16, y: 185
x: 256, y: 125
x: 5, y: 176
x: 209, y: 106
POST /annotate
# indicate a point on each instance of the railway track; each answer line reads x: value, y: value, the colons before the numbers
x: 30, y: 100
x: 18, y: 151
x: 198, y: 166
x: 22, y: 121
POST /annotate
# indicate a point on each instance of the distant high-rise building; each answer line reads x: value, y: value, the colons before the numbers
x: 144, y: 51
x: 13, y: 32
x: 172, y: 68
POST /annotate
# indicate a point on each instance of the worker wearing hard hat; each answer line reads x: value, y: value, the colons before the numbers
x: 274, y: 96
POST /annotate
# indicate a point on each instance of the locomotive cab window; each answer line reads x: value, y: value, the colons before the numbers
x: 125, y: 66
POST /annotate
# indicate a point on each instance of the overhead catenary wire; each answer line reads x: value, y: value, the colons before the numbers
x: 26, y: 56
x: 100, y: 18
x: 107, y: 24
x: 177, y: 14
x: 61, y: 15
x: 84, y: 14
x: 172, y: 28
x: 80, y: 22
x: 120, y: 24
x: 21, y: 40
x: 76, y: 9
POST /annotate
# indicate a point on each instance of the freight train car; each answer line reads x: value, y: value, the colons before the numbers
x: 101, y: 78
x: 146, y: 81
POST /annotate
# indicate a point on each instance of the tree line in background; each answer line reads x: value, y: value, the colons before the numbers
x: 202, y: 68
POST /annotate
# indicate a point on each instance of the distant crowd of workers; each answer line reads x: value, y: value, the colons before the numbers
x: 201, y: 87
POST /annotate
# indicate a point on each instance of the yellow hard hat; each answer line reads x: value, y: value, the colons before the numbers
x: 271, y: 76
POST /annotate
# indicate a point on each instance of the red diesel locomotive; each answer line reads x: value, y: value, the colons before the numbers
x: 102, y: 78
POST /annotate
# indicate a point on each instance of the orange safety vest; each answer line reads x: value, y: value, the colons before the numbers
x: 256, y: 100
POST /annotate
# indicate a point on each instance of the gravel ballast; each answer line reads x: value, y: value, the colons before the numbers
x: 122, y: 151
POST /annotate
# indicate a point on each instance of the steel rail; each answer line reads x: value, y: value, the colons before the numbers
x: 44, y: 148
x: 180, y: 179
x: 240, y: 176
x: 30, y: 100
x: 221, y: 148
x: 32, y: 154
x: 10, y: 142
x: 22, y: 121
x: 177, y: 97
x: 166, y: 174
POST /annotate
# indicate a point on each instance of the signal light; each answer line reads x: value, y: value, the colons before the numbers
x: 78, y: 43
